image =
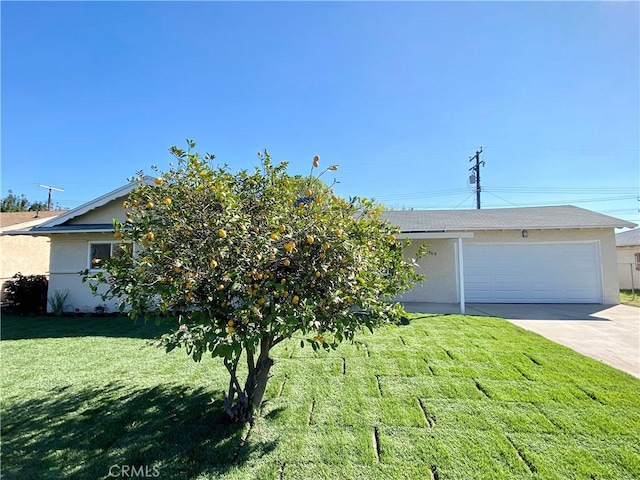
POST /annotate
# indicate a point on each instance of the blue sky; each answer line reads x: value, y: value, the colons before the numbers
x: 400, y: 95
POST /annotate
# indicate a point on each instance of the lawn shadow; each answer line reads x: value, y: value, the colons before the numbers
x: 167, y: 431
x: 26, y: 328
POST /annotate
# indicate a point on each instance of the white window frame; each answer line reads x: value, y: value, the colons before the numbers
x: 97, y: 242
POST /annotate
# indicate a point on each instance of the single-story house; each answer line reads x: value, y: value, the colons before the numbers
x: 556, y: 254
x: 23, y: 254
x: 628, y: 249
x: 560, y: 254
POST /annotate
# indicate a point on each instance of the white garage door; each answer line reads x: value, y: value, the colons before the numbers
x: 532, y: 273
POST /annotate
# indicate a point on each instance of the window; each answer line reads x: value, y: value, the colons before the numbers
x: 637, y: 255
x: 105, y: 250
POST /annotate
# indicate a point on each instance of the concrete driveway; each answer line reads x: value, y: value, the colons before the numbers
x: 607, y: 333
x: 610, y: 334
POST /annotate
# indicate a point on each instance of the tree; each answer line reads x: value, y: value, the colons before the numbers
x: 247, y: 260
x: 13, y: 203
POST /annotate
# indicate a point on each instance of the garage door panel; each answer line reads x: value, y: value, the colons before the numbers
x: 545, y: 296
x: 533, y: 273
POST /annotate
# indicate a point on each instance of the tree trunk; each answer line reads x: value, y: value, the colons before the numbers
x: 249, y: 399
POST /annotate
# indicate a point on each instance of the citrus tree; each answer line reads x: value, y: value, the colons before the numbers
x: 246, y: 260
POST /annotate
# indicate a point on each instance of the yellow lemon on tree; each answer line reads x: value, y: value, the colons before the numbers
x: 230, y: 329
x: 230, y: 323
x: 316, y: 161
x: 213, y: 264
x: 222, y: 233
x: 309, y: 239
x: 286, y: 262
x: 295, y: 299
x: 282, y: 228
x: 117, y: 235
x: 150, y: 205
x: 289, y: 246
x: 273, y: 236
x: 167, y: 201
x: 220, y: 286
x: 158, y: 181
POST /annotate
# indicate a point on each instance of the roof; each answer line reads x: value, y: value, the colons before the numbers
x: 8, y: 219
x: 630, y: 238
x: 93, y: 204
x: 555, y: 217
x: 409, y: 221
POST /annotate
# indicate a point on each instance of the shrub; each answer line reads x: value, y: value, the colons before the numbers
x: 27, y: 294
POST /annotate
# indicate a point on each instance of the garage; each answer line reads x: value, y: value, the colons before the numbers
x: 565, y: 272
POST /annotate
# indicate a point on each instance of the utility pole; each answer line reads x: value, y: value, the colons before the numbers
x: 475, y: 176
x: 49, y: 202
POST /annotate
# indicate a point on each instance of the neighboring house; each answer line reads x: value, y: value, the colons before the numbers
x: 628, y: 249
x: 23, y: 254
x: 558, y: 254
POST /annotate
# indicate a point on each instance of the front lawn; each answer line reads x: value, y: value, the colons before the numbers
x: 446, y: 397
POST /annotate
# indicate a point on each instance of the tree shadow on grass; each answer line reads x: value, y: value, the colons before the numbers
x: 166, y: 431
x: 25, y: 328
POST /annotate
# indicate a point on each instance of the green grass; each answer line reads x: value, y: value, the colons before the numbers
x: 629, y: 297
x: 446, y: 397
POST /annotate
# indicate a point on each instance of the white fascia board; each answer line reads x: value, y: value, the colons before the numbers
x: 431, y: 235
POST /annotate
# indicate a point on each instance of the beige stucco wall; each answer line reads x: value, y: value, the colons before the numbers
x: 25, y: 254
x: 628, y: 275
x: 440, y: 269
x: 69, y: 256
x: 104, y: 214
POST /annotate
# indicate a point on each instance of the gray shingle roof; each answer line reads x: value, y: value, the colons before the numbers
x: 565, y: 216
x: 630, y: 238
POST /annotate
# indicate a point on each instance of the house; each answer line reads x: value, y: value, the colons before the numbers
x: 556, y: 254
x: 23, y: 254
x: 559, y: 254
x: 628, y: 250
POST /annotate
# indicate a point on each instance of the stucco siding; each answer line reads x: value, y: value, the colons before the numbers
x: 104, y: 214
x: 23, y: 254
x: 69, y: 256
x: 628, y: 273
x: 439, y: 270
